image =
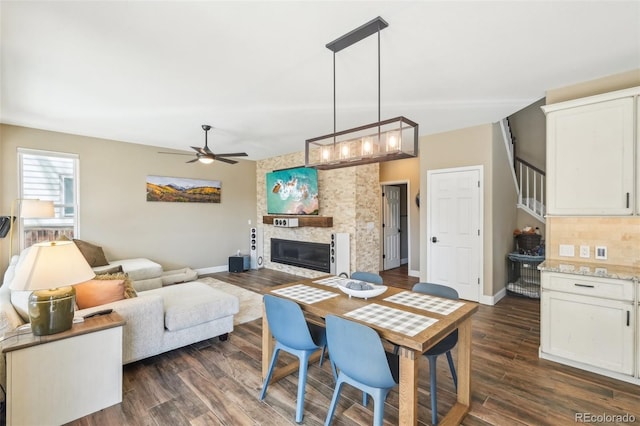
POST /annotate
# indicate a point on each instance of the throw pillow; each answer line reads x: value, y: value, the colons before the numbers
x: 129, y: 291
x: 94, y: 254
x: 98, y: 292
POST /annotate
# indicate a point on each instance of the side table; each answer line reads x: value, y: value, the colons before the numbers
x: 58, y: 378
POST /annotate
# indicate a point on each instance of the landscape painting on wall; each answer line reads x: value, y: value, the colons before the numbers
x: 183, y: 190
x: 292, y: 191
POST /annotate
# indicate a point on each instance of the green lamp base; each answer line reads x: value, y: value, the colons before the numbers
x: 51, y: 311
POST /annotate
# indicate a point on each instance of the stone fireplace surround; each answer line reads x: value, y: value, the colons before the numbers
x: 350, y: 195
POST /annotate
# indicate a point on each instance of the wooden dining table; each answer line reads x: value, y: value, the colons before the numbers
x: 413, y: 321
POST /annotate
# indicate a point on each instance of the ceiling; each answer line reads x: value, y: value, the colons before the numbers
x: 259, y: 72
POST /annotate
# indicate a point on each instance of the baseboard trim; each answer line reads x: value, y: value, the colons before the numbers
x: 492, y: 300
x: 414, y: 273
x: 212, y: 269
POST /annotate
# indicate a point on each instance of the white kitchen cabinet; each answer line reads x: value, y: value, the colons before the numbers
x: 589, y: 323
x: 590, y: 155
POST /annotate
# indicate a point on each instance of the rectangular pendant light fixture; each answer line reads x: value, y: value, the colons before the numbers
x: 391, y: 139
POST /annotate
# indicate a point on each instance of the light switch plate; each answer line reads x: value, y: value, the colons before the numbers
x: 584, y: 252
x: 601, y: 252
x: 567, y: 250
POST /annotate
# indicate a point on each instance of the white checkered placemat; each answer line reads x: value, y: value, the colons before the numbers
x: 333, y: 281
x: 392, y: 319
x: 305, y: 294
x: 425, y: 302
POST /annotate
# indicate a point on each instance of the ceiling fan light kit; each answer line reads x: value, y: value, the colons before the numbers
x: 391, y: 139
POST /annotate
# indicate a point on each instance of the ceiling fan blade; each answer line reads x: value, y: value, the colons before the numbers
x: 199, y: 150
x: 234, y: 154
x: 192, y: 161
x: 225, y: 160
x: 175, y: 153
x: 207, y: 150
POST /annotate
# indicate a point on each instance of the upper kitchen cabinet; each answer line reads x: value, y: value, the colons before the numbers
x: 591, y: 155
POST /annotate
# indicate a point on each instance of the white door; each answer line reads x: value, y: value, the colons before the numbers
x: 453, y: 230
x: 391, y: 226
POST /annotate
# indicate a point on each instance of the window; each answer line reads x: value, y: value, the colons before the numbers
x: 50, y: 176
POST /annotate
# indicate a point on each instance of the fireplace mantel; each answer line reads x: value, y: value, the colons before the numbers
x: 317, y: 221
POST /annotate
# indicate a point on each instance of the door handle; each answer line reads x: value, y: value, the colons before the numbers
x: 434, y: 239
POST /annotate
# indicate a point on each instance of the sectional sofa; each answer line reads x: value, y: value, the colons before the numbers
x: 158, y: 319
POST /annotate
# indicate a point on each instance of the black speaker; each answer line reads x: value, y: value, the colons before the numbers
x: 238, y: 263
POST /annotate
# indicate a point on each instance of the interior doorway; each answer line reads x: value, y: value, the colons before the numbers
x: 395, y: 225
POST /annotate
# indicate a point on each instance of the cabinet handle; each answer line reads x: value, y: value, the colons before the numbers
x: 628, y: 317
x: 627, y: 200
x: 583, y: 285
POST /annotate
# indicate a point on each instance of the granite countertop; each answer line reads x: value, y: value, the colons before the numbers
x: 591, y: 269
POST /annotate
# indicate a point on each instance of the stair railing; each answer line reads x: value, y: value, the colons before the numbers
x: 531, y: 187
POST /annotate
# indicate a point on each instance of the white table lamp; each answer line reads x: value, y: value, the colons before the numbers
x: 51, y: 269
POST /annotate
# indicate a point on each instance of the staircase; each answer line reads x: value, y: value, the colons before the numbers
x: 529, y: 180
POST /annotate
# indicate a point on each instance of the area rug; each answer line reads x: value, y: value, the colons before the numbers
x: 250, y: 302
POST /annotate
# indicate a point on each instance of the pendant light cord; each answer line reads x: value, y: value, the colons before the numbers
x: 334, y: 97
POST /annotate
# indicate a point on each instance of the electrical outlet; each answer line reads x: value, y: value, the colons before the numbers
x: 584, y: 252
x: 567, y: 250
x: 601, y: 252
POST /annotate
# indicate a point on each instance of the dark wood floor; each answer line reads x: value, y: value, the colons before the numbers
x: 217, y: 383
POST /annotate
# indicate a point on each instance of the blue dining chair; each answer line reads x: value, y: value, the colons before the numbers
x: 369, y: 277
x: 295, y: 335
x: 357, y: 352
x: 442, y: 347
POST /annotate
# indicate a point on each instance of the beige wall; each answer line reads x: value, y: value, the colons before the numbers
x: 529, y: 127
x: 407, y: 170
x: 595, y: 87
x: 503, y: 210
x: 350, y: 195
x: 471, y: 147
x: 114, y: 212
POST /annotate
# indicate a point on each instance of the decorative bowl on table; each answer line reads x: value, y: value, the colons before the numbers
x: 361, y: 289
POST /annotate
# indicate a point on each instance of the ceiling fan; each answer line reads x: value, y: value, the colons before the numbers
x: 206, y: 156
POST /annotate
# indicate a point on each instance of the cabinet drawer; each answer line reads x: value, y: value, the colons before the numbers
x: 588, y: 286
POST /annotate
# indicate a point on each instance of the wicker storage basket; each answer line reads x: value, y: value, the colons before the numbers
x: 528, y: 241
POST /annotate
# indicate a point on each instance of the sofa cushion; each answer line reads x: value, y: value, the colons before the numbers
x: 99, y: 292
x: 137, y: 269
x: 20, y: 302
x: 110, y: 269
x: 179, y: 276
x: 193, y: 303
x: 92, y: 253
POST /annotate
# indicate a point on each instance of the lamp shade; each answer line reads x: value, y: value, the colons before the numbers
x: 36, y: 209
x: 50, y: 265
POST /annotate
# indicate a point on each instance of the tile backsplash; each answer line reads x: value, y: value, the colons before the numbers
x: 621, y: 236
